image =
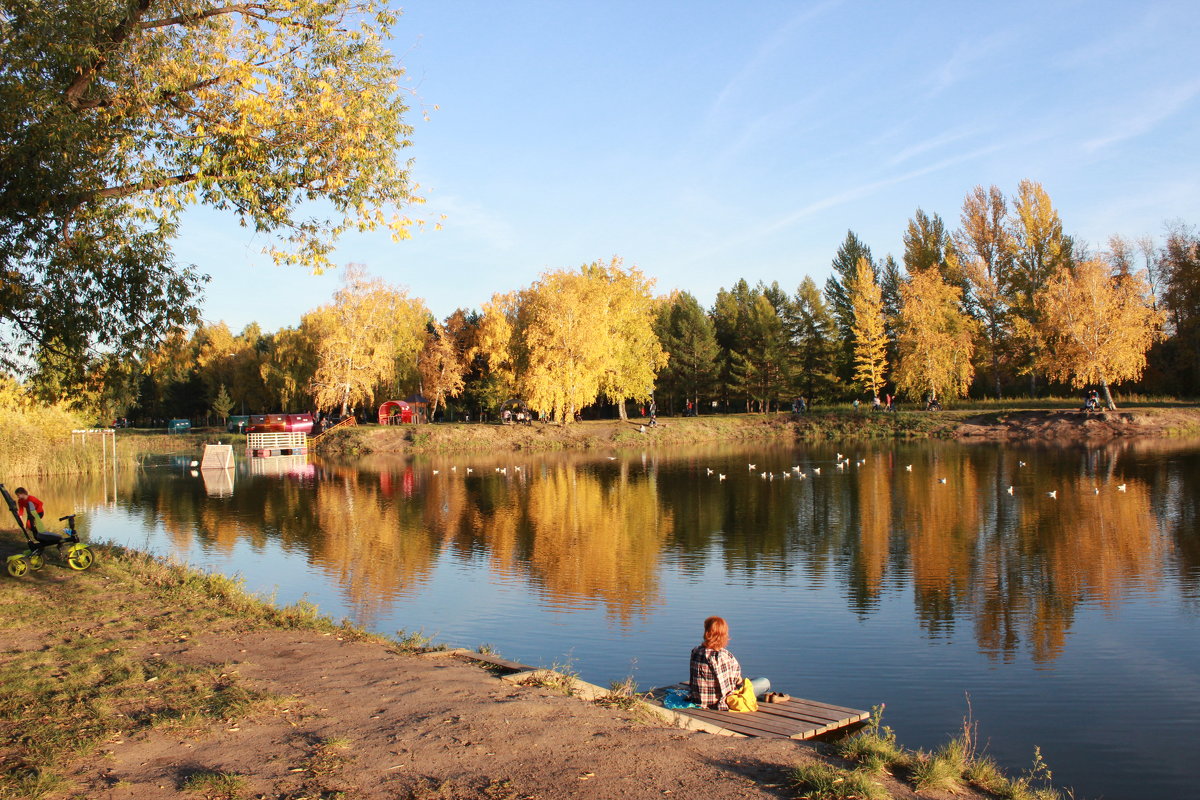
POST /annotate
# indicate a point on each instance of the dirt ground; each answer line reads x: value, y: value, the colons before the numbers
x: 1079, y: 425
x: 349, y: 718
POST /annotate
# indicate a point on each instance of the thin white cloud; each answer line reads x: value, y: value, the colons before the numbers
x: 966, y: 60
x: 475, y: 221
x: 1133, y: 122
x: 933, y: 143
x: 781, y: 37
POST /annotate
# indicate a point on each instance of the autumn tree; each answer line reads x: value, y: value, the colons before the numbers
x: 442, y: 365
x: 937, y: 339
x: 1097, y: 325
x: 288, y: 363
x: 369, y: 332
x: 563, y: 344
x: 499, y: 349
x: 870, y: 339
x: 838, y: 289
x: 686, y: 334
x: 118, y: 114
x: 985, y: 244
x: 1040, y: 249
x: 635, y: 354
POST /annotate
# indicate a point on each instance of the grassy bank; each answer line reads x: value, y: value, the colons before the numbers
x: 1047, y: 420
x: 608, y: 434
x: 85, y: 667
x: 134, y: 679
x: 38, y: 441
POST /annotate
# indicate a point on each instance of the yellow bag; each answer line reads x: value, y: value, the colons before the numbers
x: 743, y: 700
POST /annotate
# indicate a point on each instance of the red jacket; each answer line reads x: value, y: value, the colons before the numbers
x: 23, y: 504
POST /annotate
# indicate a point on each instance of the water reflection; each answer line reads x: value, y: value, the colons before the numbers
x: 580, y: 531
x: 876, y: 581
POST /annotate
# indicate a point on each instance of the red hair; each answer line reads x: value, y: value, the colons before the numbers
x: 716, y: 633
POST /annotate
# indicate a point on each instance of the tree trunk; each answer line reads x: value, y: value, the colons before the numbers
x: 1108, y: 397
x: 621, y: 415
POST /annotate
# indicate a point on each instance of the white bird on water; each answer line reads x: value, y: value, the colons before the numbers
x: 1010, y: 490
x: 707, y: 471
x: 796, y: 470
x: 469, y: 470
x: 1096, y: 490
x: 435, y: 472
x: 816, y: 470
x: 763, y: 476
x: 454, y: 469
x: 720, y: 476
x: 941, y: 480
x: 785, y: 474
x: 840, y: 456
x: 1121, y: 487
x: 908, y: 468
x: 751, y: 467
x: 194, y: 464
x: 841, y: 465
x: 1052, y: 494
x: 1020, y: 463
x: 612, y: 458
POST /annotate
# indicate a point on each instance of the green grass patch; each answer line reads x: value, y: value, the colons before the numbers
x: 827, y: 782
x: 215, y: 785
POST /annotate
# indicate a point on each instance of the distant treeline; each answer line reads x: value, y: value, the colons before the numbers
x: 1005, y: 305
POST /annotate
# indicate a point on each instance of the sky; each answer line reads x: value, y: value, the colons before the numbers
x: 705, y: 142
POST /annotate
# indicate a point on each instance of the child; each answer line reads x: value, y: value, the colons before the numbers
x: 31, y: 508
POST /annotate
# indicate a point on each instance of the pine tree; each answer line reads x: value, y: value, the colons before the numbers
x: 222, y: 404
x: 837, y: 295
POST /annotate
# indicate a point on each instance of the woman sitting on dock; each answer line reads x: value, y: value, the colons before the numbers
x: 715, y: 673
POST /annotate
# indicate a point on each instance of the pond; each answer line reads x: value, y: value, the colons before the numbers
x: 942, y: 579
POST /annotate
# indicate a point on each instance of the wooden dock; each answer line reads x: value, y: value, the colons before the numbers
x: 795, y: 719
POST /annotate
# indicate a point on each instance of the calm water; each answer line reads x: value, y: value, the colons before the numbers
x: 1067, y: 622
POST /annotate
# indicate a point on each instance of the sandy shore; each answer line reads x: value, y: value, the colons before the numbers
x: 145, y: 679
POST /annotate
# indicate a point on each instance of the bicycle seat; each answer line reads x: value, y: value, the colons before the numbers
x: 49, y: 538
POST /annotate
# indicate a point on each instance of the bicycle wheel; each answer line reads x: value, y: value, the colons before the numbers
x: 18, y: 566
x: 37, y: 561
x: 80, y: 557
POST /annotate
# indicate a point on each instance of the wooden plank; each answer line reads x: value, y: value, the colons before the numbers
x: 725, y: 720
x: 797, y: 718
x: 494, y: 660
x: 744, y: 721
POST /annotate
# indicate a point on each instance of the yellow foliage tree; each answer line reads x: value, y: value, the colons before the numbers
x: 441, y: 365
x: 870, y: 336
x: 936, y: 339
x: 364, y: 338
x: 1097, y: 326
x: 635, y: 353
x: 564, y: 343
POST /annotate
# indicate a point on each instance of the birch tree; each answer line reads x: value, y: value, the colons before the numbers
x: 1097, y: 326
x: 986, y: 246
x: 937, y: 339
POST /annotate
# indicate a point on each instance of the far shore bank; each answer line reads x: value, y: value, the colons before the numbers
x: 1008, y: 424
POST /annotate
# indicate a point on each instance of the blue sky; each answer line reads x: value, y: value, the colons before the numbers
x: 705, y: 142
